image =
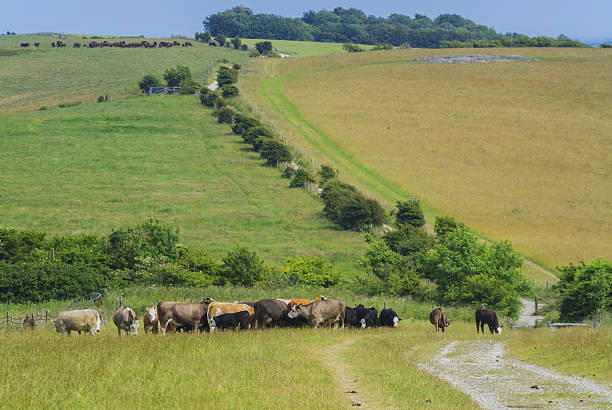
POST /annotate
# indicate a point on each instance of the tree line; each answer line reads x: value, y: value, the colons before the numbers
x: 353, y: 26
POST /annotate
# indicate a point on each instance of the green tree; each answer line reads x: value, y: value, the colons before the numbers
x: 263, y: 47
x: 229, y: 91
x: 445, y: 225
x: 207, y: 37
x: 409, y: 213
x: 311, y: 271
x: 274, y: 152
x: 149, y: 81
x: 226, y: 75
x: 327, y: 173
x: 220, y: 38
x: 585, y: 289
x: 236, y: 42
x: 225, y: 115
x: 208, y: 97
x: 175, y: 76
x: 242, y: 267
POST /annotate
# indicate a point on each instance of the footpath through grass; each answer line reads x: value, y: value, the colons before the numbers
x: 97, y: 167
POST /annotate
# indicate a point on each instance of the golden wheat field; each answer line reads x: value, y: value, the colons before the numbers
x: 516, y: 150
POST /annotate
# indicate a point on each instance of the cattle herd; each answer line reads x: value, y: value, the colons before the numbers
x: 210, y: 315
x: 119, y: 44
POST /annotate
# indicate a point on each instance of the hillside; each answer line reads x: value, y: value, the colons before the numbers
x: 524, y: 159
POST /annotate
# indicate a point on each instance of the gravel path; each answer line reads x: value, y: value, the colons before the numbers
x: 214, y: 86
x: 527, y: 317
x: 479, y: 369
x: 475, y: 58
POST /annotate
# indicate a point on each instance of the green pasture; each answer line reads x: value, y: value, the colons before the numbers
x: 47, y: 77
x: 95, y: 167
x: 302, y: 48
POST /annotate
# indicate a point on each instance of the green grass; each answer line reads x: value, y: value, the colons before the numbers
x: 50, y: 76
x: 302, y: 48
x: 95, y: 167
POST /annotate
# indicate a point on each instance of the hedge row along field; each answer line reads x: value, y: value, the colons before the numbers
x: 523, y: 159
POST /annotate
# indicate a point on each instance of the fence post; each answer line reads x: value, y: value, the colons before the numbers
x: 536, y: 305
x: 7, y: 320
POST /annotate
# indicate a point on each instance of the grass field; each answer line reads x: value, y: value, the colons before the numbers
x: 525, y: 159
x: 51, y: 76
x: 302, y: 48
x: 95, y: 167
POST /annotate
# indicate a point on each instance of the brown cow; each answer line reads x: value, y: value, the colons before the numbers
x: 220, y: 308
x: 184, y: 314
x: 269, y: 312
x: 438, y: 318
x: 485, y: 315
x: 295, y: 302
x: 321, y: 312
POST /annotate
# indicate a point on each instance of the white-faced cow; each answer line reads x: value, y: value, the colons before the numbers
x: 87, y: 320
x: 438, y: 318
x: 388, y: 317
x: 488, y: 316
x: 189, y: 316
x: 321, y: 312
x: 125, y: 319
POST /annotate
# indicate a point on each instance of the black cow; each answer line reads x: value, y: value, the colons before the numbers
x: 488, y: 316
x: 269, y: 312
x: 388, y: 317
x: 367, y: 317
x: 233, y: 320
x: 24, y: 45
x: 350, y: 317
x: 299, y: 321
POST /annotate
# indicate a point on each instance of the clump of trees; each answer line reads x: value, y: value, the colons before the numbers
x: 149, y: 81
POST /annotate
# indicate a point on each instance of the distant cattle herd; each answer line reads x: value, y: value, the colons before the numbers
x: 210, y: 315
x: 119, y: 44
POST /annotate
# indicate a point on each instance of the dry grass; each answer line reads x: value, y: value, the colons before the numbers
x: 518, y: 151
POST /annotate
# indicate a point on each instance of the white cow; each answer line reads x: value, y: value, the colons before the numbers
x: 87, y: 320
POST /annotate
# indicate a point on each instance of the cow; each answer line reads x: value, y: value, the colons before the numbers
x: 321, y: 312
x: 36, y: 45
x: 190, y: 316
x: 125, y: 319
x: 488, y: 316
x: 438, y: 318
x: 212, y: 43
x: 294, y: 302
x: 388, y: 317
x: 366, y: 317
x: 299, y: 321
x: 269, y: 312
x: 232, y: 321
x: 150, y: 320
x: 24, y: 45
x: 350, y: 317
x: 76, y: 45
x: 219, y: 308
x: 87, y: 320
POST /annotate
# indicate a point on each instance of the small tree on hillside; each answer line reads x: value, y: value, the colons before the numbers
x: 221, y: 40
x: 263, y: 47
x: 207, y: 37
x: 409, y: 212
x: 242, y: 268
x: 236, y: 42
x: 175, y: 76
x: 226, y: 75
x: 149, y: 81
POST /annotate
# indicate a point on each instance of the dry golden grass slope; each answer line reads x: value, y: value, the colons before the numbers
x: 519, y: 151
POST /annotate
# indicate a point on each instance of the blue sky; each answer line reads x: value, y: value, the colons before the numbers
x: 578, y: 19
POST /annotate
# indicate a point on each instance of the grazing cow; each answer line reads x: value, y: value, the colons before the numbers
x: 321, y: 312
x: 388, y: 317
x: 488, y: 316
x: 438, y: 318
x: 299, y: 321
x: 366, y: 317
x: 269, y: 312
x: 218, y: 308
x: 24, y: 45
x: 232, y: 321
x: 36, y: 45
x: 87, y: 320
x: 190, y: 316
x: 76, y: 45
x: 125, y: 319
x: 350, y: 317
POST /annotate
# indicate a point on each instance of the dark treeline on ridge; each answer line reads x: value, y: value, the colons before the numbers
x: 354, y: 26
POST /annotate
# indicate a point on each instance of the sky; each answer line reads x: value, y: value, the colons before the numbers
x: 578, y: 19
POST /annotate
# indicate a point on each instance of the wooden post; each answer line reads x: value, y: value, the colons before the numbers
x: 536, y: 305
x: 7, y: 320
x: 46, y: 316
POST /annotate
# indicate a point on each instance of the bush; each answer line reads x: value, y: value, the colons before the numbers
x: 152, y: 238
x: 221, y: 39
x: 41, y: 282
x: 352, y: 48
x: 350, y: 209
x: 83, y: 249
x: 383, y: 46
x: 175, y: 76
x: 243, y: 123
x: 236, y: 66
x: 226, y: 75
x: 189, y: 87
x: 311, y: 271
x: 208, y: 98
x: 585, y: 289
x: 158, y: 271
x: 242, y: 268
x: 263, y: 47
x: 288, y: 172
x: 236, y: 42
x: 411, y: 242
x: 327, y: 173
x: 252, y: 134
x: 300, y: 178
x: 17, y: 246
x: 254, y: 53
x: 229, y: 91
x: 445, y: 225
x: 244, y: 47
x: 225, y: 115
x: 149, y: 81
x: 409, y: 213
x: 275, y: 152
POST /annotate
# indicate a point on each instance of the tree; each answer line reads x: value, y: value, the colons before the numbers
x: 229, y: 91
x: 409, y: 212
x: 225, y: 115
x: 226, y: 75
x: 263, y: 47
x: 585, y: 289
x: 149, y: 81
x: 175, y: 76
x: 242, y: 267
x: 327, y: 173
x: 220, y: 38
x: 445, y: 225
x: 311, y: 271
x: 236, y: 42
x: 208, y: 97
x: 207, y: 37
x: 275, y: 152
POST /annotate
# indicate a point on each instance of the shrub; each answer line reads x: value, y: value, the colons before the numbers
x: 300, y: 178
x: 252, y: 134
x: 352, y: 48
x: 311, y: 271
x: 236, y: 66
x: 288, y: 172
x: 175, y: 76
x: 236, y: 42
x: 445, y: 225
x: 225, y: 115
x: 411, y: 242
x: 350, y: 209
x: 209, y: 98
x: 263, y: 47
x: 383, y: 46
x: 226, y: 75
x: 189, y: 86
x: 409, y: 213
x: 197, y: 260
x: 229, y: 91
x: 585, y: 289
x: 149, y: 81
x: 87, y: 250
x: 244, y: 47
x: 275, y: 152
x: 242, y: 123
x: 17, y: 246
x: 158, y: 271
x: 151, y: 238
x: 327, y: 173
x: 242, y: 268
x: 221, y: 39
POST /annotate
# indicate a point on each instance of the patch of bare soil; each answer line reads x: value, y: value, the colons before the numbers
x: 345, y: 377
x: 479, y: 369
x: 476, y: 58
